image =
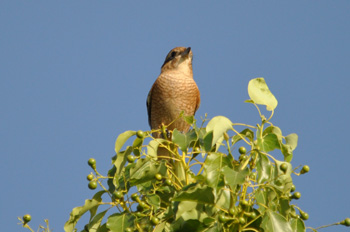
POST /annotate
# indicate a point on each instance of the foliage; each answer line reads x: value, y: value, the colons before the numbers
x: 204, y: 184
x: 27, y: 218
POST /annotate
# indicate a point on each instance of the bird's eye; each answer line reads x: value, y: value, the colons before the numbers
x: 170, y: 56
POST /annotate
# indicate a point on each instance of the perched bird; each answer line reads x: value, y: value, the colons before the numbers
x: 173, y: 91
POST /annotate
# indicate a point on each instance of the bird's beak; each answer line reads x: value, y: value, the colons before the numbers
x: 186, y: 52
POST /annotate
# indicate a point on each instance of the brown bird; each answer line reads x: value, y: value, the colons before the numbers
x: 173, y: 91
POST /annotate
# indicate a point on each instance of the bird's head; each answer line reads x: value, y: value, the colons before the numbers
x: 179, y: 58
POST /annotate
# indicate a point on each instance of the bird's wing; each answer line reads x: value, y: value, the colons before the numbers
x: 149, y: 105
x: 198, y: 102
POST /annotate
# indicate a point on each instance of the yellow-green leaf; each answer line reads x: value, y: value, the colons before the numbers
x: 292, y: 140
x: 77, y: 212
x: 259, y: 92
x: 219, y: 125
x: 122, y: 138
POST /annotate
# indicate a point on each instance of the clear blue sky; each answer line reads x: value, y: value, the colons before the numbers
x: 75, y: 74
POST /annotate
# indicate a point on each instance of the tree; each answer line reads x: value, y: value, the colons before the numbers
x: 244, y: 190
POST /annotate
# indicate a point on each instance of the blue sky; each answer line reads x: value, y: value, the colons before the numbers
x: 75, y: 74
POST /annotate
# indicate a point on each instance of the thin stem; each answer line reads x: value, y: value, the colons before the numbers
x: 178, y: 186
x: 272, y: 112
x: 242, y: 124
x: 167, y: 157
x: 241, y: 136
x: 200, y: 163
x: 28, y: 227
x: 258, y: 110
x: 269, y: 156
x: 200, y: 170
x: 334, y: 224
x: 99, y: 182
x: 185, y: 166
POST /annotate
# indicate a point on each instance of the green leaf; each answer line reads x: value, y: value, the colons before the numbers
x: 264, y: 169
x: 122, y: 138
x: 233, y: 177
x: 192, y: 225
x: 196, y: 193
x: 292, y: 140
x: 122, y: 180
x: 165, y: 193
x: 297, y: 225
x: 191, y: 136
x: 287, y: 152
x: 246, y: 133
x: 187, y: 210
x: 273, y: 130
x: 145, y: 170
x: 180, y: 139
x: 98, y: 198
x: 102, y: 228
x: 152, y: 147
x: 161, y: 227
x: 275, y: 222
x: 207, y: 141
x: 284, y: 207
x: 96, y: 221
x: 209, y: 221
x: 137, y: 145
x: 261, y: 199
x: 266, y: 199
x: 212, y: 169
x: 77, y: 212
x: 111, y: 181
x: 279, y: 172
x: 223, y: 199
x: 189, y: 216
x: 153, y: 200
x: 121, y: 159
x: 119, y: 222
x: 184, y: 140
x: 215, y: 228
x: 273, y: 139
x: 272, y: 200
x: 283, y: 181
x: 219, y: 125
x: 189, y: 119
x: 259, y: 92
x: 269, y: 142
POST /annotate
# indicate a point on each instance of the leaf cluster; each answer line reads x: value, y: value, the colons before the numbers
x: 230, y: 192
x: 202, y: 183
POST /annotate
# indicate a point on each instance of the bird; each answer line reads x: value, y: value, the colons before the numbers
x: 173, y: 91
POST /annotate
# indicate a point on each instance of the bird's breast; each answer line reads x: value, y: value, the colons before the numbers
x: 171, y: 95
x: 177, y: 92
